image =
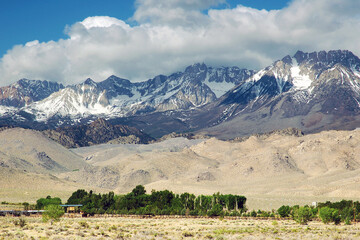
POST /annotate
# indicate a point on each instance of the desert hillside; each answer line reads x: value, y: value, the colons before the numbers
x: 270, y: 170
x: 285, y: 168
x: 33, y: 152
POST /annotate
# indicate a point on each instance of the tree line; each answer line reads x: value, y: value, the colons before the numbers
x: 336, y: 212
x: 158, y: 203
x: 168, y: 203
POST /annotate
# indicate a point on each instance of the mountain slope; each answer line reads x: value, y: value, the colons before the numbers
x: 97, y: 132
x: 31, y: 151
x: 275, y: 165
x: 310, y: 91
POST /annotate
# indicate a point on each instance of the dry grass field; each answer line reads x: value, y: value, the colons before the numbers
x: 172, y: 228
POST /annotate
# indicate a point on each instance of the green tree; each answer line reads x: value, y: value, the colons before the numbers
x: 43, y: 202
x: 302, y: 215
x: 52, y: 213
x: 217, y: 210
x: 284, y: 211
x: 77, y: 197
x: 26, y: 205
x: 328, y: 214
x: 139, y: 190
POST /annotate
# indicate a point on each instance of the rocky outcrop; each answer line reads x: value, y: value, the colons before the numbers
x: 282, y: 132
x: 183, y: 135
x: 99, y: 131
x: 131, y: 139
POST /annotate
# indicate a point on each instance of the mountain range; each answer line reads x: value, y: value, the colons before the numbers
x: 310, y: 91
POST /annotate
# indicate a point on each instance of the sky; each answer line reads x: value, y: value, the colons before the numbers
x: 68, y: 41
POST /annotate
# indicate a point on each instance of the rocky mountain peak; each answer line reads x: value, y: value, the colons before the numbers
x: 23, y: 81
x: 330, y: 58
x: 26, y: 91
x: 287, y: 59
x: 89, y: 82
x: 195, y: 68
x: 116, y: 80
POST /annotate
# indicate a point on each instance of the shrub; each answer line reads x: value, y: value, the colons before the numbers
x: 187, y: 234
x: 346, y: 213
x: 328, y: 214
x: 217, y: 210
x: 284, y: 211
x: 253, y: 213
x: 20, y: 222
x: 302, y: 215
x: 52, y: 213
x: 235, y: 214
x: 325, y: 214
x: 84, y: 224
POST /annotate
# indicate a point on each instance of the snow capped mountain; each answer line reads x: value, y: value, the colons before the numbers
x: 300, y: 76
x: 25, y: 91
x: 78, y: 100
x: 116, y: 97
x: 310, y: 91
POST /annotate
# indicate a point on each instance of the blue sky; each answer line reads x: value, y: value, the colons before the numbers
x: 70, y: 40
x: 27, y: 20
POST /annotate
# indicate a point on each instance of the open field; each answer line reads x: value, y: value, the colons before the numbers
x: 172, y: 228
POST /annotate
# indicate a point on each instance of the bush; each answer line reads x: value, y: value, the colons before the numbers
x: 20, y: 222
x: 253, y: 213
x: 52, y: 213
x: 346, y: 213
x: 284, y: 211
x: 84, y: 224
x: 217, y: 210
x: 302, y: 215
x: 235, y: 214
x: 328, y: 214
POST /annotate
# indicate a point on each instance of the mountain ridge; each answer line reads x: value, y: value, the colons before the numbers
x: 309, y: 91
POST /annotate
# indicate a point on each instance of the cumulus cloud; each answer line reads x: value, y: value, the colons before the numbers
x: 171, y: 34
x: 186, y: 13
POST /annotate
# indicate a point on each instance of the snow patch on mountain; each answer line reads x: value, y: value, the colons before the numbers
x: 300, y: 81
x: 4, y: 110
x: 257, y: 76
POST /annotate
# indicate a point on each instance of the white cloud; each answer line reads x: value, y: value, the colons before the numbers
x: 172, y: 34
x: 185, y: 13
x: 103, y: 22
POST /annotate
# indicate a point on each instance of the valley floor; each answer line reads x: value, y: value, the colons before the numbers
x: 172, y: 228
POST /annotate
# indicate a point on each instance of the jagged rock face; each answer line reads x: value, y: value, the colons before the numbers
x: 99, y: 131
x: 25, y: 91
x: 187, y: 97
x: 282, y: 132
